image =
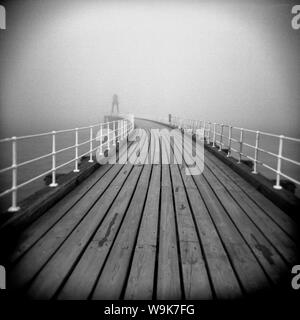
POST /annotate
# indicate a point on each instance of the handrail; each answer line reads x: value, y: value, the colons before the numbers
x: 216, y: 130
x: 120, y: 130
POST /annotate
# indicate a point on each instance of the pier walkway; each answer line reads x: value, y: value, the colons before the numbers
x: 144, y: 231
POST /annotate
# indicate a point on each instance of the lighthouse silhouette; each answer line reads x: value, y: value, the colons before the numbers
x: 115, y: 104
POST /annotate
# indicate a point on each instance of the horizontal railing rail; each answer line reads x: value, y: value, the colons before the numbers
x: 115, y: 131
x: 215, y: 135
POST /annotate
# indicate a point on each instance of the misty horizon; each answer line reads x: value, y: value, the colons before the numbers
x: 61, y: 63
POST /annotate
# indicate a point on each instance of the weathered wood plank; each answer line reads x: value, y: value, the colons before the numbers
x: 202, y: 236
x: 195, y: 278
x: 80, y: 283
x: 248, y: 270
x: 223, y: 278
x: 141, y: 278
x: 113, y: 276
x: 39, y: 254
x: 168, y: 279
x: 281, y: 218
x: 268, y: 227
x: 38, y: 228
x: 263, y: 250
x: 269, y: 258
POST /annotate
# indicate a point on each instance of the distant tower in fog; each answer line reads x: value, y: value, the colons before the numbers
x: 115, y: 103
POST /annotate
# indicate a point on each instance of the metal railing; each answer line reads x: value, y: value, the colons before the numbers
x: 214, y: 134
x: 120, y: 130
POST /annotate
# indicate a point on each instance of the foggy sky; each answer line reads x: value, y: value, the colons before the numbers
x: 228, y: 61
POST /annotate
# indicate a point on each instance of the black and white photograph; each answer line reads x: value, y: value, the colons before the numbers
x: 150, y: 154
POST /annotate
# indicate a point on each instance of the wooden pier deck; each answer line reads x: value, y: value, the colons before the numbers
x: 149, y: 231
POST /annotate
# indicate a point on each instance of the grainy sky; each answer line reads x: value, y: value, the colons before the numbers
x: 231, y: 61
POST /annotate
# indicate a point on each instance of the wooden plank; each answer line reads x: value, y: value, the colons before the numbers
x: 34, y: 259
x: 281, y: 218
x: 82, y: 279
x: 222, y: 275
x: 195, y: 278
x: 248, y: 270
x: 80, y: 283
x: 38, y: 255
x: 168, y: 277
x: 246, y: 266
x: 113, y: 276
x: 39, y: 227
x: 141, y: 278
x: 269, y: 258
x: 267, y: 226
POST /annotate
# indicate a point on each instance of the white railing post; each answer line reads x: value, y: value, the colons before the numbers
x: 279, y: 156
x: 76, y: 151
x: 91, y: 144
x: 241, y: 144
x: 229, y: 141
x: 221, y: 138
x: 132, y: 122
x: 14, y: 206
x: 53, y: 183
x: 214, y: 135
x: 256, y: 152
x: 100, y: 141
x: 114, y: 133
x: 118, y: 131
x: 209, y: 127
x: 108, y: 142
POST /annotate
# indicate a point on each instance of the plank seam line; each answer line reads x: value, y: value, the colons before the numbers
x: 57, y: 221
x: 251, y: 220
x: 242, y: 236
x: 116, y: 235
x: 27, y: 286
x: 155, y: 278
x: 177, y: 238
x: 93, y: 234
x: 221, y: 239
x: 137, y: 232
x: 256, y: 202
